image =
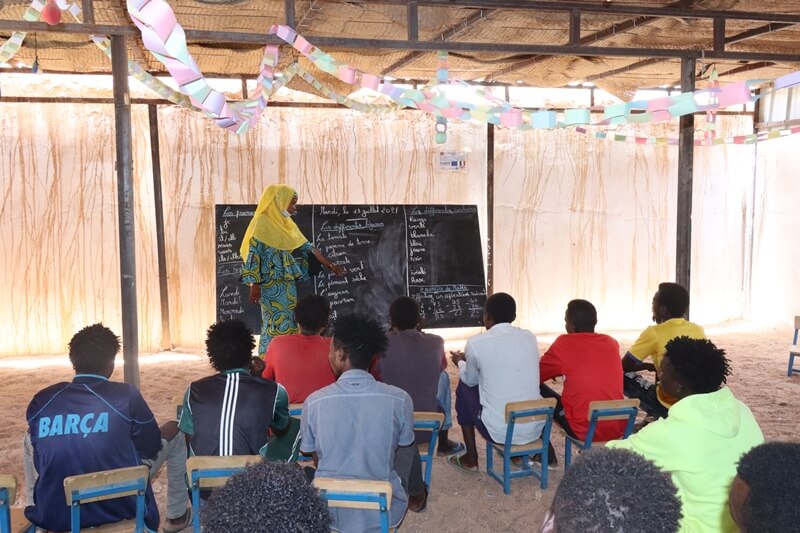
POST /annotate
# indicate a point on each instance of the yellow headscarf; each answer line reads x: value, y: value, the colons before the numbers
x: 269, y: 225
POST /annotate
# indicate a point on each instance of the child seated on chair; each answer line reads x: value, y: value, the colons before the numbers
x: 92, y: 424
x: 705, y: 435
x: 592, y: 371
x: 359, y: 428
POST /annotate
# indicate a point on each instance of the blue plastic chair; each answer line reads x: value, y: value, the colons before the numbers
x: 108, y: 485
x: 518, y: 413
x: 794, y: 350
x: 211, y: 471
x: 601, y: 411
x: 358, y: 494
x: 8, y: 493
x: 296, y: 410
x: 428, y: 421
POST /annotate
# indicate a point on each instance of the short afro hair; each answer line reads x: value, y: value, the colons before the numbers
x: 769, y: 472
x: 616, y: 490
x: 698, y: 364
x: 674, y: 297
x: 404, y: 313
x: 312, y: 312
x: 267, y: 496
x: 229, y: 345
x: 501, y: 308
x: 361, y: 338
x: 583, y: 314
x: 93, y: 349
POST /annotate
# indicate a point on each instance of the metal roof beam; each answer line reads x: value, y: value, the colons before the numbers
x: 606, y: 8
x: 200, y: 36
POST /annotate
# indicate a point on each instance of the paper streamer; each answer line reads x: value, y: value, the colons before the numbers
x: 165, y: 38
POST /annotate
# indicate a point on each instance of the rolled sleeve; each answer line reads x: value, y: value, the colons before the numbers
x: 468, y: 370
x: 307, y: 429
x: 645, y: 346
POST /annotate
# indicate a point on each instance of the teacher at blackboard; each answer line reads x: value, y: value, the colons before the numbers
x: 269, y: 266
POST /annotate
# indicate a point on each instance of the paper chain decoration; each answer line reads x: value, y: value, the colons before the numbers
x: 165, y: 38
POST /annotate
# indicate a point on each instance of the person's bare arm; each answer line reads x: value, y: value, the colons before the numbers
x: 631, y: 364
x: 336, y: 269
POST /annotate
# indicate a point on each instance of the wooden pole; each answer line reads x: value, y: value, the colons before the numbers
x: 127, y: 240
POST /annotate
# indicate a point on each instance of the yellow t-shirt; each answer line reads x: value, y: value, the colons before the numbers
x: 653, y: 340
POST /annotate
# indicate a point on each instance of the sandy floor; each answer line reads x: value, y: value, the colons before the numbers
x: 458, y: 501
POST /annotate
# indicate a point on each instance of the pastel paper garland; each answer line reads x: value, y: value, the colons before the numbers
x: 165, y: 38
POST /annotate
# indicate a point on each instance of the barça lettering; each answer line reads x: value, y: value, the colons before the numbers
x: 73, y: 424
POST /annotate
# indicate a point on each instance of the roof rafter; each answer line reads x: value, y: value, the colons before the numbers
x: 739, y: 37
x: 605, y: 33
x: 449, y: 33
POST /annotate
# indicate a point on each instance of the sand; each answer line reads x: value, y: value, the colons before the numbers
x: 458, y: 500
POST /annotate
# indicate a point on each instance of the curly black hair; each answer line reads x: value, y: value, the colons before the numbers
x: 312, y: 312
x: 769, y: 472
x: 614, y: 490
x: 267, y: 496
x: 583, y: 315
x: 698, y: 363
x: 229, y: 345
x: 404, y: 313
x: 501, y: 308
x: 93, y: 349
x: 361, y: 338
x: 674, y: 297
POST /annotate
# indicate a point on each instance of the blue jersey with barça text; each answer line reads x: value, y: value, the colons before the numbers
x: 88, y: 425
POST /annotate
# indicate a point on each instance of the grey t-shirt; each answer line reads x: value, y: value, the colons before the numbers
x: 413, y: 362
x: 355, y: 425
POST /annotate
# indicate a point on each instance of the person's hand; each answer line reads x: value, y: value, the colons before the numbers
x: 257, y: 366
x: 336, y: 269
x: 456, y: 356
x: 255, y: 294
x: 649, y: 366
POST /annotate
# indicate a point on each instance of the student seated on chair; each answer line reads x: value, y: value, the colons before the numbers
x: 267, y: 496
x: 361, y: 428
x: 299, y: 362
x: 232, y: 412
x: 763, y: 497
x: 498, y: 366
x: 592, y: 371
x: 614, y: 490
x: 670, y: 303
x: 705, y: 435
x: 415, y: 362
x: 92, y: 424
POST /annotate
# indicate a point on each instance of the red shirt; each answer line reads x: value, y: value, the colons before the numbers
x: 299, y: 363
x: 592, y: 370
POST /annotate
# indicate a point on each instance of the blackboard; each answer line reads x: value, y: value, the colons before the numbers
x: 429, y: 252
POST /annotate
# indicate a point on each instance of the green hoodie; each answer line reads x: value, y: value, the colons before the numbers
x: 700, y: 444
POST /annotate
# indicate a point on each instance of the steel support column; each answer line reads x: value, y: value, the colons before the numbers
x: 489, y: 209
x: 683, y: 252
x: 163, y: 285
x: 127, y: 241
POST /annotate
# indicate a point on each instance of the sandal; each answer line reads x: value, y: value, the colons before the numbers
x: 455, y: 460
x: 186, y: 522
x: 456, y: 448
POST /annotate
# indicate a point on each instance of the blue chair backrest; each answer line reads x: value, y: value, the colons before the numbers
x: 107, y: 485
